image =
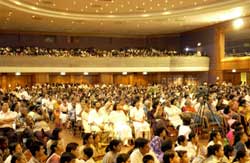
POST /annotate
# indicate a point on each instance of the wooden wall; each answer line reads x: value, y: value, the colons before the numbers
x: 9, y: 79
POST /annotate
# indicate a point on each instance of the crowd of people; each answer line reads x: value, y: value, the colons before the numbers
x: 159, y: 122
x: 93, y: 52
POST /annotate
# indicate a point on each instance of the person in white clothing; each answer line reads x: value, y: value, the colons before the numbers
x: 185, y: 128
x: 120, y: 122
x: 141, y: 148
x: 138, y: 117
x: 13, y: 148
x: 7, y: 120
x: 95, y: 120
x: 182, y: 144
x: 173, y: 113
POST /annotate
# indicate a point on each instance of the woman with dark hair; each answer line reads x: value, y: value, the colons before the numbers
x: 122, y: 158
x: 112, y: 151
x: 56, y: 135
x: 241, y: 157
x: 214, y: 153
x: 171, y: 157
x: 120, y: 121
x: 13, y: 148
x: 240, y: 139
x: 138, y: 117
x: 157, y: 140
x: 67, y: 157
x: 56, y: 150
x: 228, y: 153
x: 141, y: 148
x: 215, y: 138
x: 183, y: 156
x: 88, y: 141
x: 18, y: 158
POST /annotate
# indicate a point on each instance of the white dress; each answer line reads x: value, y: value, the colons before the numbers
x: 138, y: 115
x: 173, y: 113
x: 95, y: 120
x: 121, y: 128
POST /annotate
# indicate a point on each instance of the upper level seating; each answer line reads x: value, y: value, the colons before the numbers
x: 91, y: 52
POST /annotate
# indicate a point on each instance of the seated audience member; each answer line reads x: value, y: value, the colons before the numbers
x: 201, y: 155
x: 112, y: 151
x: 241, y: 157
x: 214, y: 153
x: 188, y: 107
x: 18, y: 158
x: 67, y: 157
x: 240, y: 139
x: 173, y: 113
x: 37, y: 151
x: 122, y: 158
x: 182, y: 144
x: 193, y: 145
x: 141, y: 148
x: 215, y: 138
x: 13, y: 148
x: 228, y: 154
x: 185, y: 128
x: 4, y: 152
x: 148, y: 159
x: 56, y: 150
x: 120, y: 121
x: 56, y: 135
x: 230, y: 134
x: 171, y: 157
x: 138, y: 117
x: 7, y: 120
x: 157, y: 140
x: 183, y: 156
x: 87, y: 142
x: 88, y: 154
x: 74, y: 148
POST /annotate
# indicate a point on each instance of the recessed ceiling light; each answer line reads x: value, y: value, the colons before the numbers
x: 124, y: 73
x: 199, y: 44
x: 145, y: 73
x: 63, y: 73
x: 18, y: 73
x: 233, y: 70
x: 85, y: 73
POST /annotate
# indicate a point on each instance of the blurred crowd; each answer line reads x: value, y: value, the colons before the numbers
x: 92, y: 52
x: 157, y: 123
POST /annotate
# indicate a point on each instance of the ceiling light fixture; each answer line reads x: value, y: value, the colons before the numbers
x: 18, y: 73
x: 85, y: 73
x: 124, y: 73
x: 199, y: 44
x: 145, y: 73
x: 63, y: 73
x: 238, y: 23
x: 233, y: 70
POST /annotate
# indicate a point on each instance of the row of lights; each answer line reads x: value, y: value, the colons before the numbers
x: 85, y: 73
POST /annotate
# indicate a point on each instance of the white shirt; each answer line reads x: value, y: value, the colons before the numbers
x: 8, y: 115
x: 137, y: 114
x: 184, y: 130
x: 136, y: 156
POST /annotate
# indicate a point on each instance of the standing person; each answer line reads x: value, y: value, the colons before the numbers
x: 112, y: 151
x: 57, y: 115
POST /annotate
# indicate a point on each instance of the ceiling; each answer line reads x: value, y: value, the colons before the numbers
x: 117, y: 17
